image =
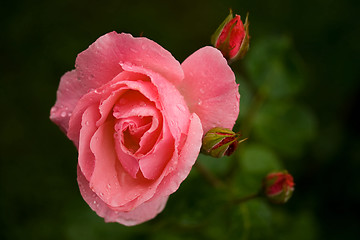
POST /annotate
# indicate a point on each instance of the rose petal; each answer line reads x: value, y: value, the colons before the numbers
x: 151, y: 136
x: 169, y: 181
x: 99, y: 64
x: 68, y: 94
x: 105, y: 97
x: 110, y: 181
x: 124, y: 81
x: 173, y: 105
x: 88, y: 128
x: 153, y: 164
x: 128, y: 162
x: 176, y: 172
x: 141, y: 213
x: 209, y: 88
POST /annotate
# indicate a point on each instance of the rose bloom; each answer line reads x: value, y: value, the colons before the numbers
x: 137, y: 118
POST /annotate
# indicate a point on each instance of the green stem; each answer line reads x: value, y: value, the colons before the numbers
x: 247, y: 198
x: 257, y: 102
x: 211, y: 178
x: 259, y: 96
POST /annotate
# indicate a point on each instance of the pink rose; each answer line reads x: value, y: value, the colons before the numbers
x: 137, y: 118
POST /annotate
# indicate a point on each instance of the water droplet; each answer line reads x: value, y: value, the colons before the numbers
x: 101, y: 194
x: 63, y: 114
x: 181, y: 107
x: 199, y: 102
x: 53, y: 109
x: 87, y: 123
x: 172, y: 122
x: 202, y: 90
x: 95, y: 202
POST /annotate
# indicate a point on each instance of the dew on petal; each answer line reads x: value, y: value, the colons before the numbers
x: 181, y: 107
x: 53, y: 109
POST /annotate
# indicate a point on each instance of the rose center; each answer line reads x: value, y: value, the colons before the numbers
x: 133, y: 131
x: 137, y: 125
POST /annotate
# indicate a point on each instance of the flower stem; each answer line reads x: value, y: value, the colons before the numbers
x: 247, y: 198
x: 211, y: 178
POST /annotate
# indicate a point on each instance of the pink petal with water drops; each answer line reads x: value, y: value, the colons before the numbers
x: 143, y: 108
x: 210, y: 89
x: 153, y: 164
x: 99, y: 64
x: 141, y: 213
x: 86, y: 159
x: 106, y: 96
x: 110, y: 181
x: 176, y: 171
x: 173, y: 106
x: 68, y: 94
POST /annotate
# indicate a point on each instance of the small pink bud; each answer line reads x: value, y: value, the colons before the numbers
x: 232, y: 37
x: 278, y: 187
x: 219, y: 142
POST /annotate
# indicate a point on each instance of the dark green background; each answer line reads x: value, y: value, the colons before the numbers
x: 307, y: 120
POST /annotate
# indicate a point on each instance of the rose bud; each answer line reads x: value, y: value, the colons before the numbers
x: 219, y: 142
x: 232, y: 37
x: 278, y: 187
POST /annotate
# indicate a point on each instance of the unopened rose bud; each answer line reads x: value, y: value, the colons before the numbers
x: 219, y: 142
x: 232, y: 37
x: 278, y: 187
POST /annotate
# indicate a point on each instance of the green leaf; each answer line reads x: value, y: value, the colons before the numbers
x: 258, y: 159
x: 297, y: 226
x: 275, y: 68
x: 250, y: 220
x: 285, y: 127
x: 217, y: 166
x: 246, y: 96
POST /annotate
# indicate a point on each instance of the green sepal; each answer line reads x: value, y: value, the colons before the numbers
x: 245, y: 45
x: 218, y: 31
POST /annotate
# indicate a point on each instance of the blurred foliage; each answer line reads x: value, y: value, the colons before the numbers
x: 299, y: 87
